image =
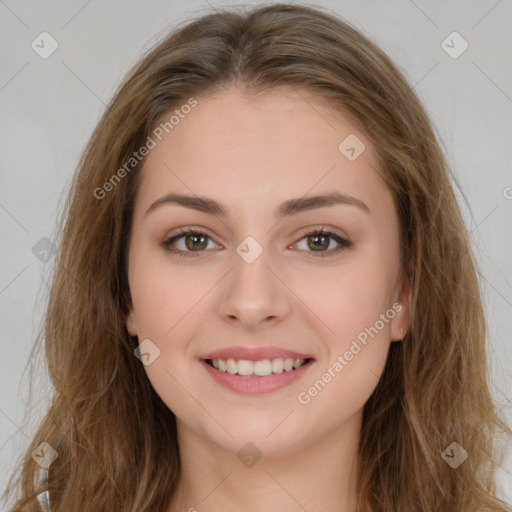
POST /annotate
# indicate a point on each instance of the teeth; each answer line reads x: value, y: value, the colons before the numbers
x: 231, y: 366
x: 277, y: 365
x: 260, y: 368
x: 297, y: 363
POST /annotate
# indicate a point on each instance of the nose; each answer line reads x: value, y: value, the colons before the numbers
x: 254, y: 295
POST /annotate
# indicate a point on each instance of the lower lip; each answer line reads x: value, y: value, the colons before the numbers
x: 255, y: 384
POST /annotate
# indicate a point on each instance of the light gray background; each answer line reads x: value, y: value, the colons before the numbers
x: 50, y: 106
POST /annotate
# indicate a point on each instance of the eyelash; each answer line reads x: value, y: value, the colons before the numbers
x: 344, y: 243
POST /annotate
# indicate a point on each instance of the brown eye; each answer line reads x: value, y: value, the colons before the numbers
x: 318, y: 242
x: 194, y: 242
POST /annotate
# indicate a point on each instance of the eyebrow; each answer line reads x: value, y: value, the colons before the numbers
x: 289, y: 207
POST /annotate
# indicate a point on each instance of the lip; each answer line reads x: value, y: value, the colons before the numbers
x: 255, y: 354
x: 254, y: 384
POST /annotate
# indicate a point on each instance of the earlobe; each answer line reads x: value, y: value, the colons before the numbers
x: 401, y: 321
x: 399, y: 324
x: 131, y: 322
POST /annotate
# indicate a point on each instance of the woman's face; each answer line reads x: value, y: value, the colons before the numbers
x: 258, y: 283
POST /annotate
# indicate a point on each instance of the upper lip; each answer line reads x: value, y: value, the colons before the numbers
x: 255, y: 354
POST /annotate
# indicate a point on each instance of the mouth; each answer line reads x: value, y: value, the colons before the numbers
x: 259, y: 368
x: 262, y: 376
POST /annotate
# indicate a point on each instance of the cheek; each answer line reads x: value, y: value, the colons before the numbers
x: 356, y: 309
x: 343, y: 301
x: 167, y: 303
x: 163, y: 294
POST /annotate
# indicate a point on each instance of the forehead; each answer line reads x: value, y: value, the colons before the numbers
x: 280, y: 143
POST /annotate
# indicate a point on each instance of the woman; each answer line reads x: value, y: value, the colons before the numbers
x: 265, y: 296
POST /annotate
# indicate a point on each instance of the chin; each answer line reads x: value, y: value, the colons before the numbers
x: 269, y: 436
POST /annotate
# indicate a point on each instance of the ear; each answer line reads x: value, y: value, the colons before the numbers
x: 131, y: 322
x: 402, y: 306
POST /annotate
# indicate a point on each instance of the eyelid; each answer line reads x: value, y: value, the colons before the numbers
x: 325, y: 228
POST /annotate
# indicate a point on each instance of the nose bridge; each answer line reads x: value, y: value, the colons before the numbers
x: 251, y: 277
x: 253, y: 293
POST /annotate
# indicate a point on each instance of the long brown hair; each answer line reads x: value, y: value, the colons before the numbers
x: 118, y: 447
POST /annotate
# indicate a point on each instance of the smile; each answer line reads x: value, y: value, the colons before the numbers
x: 256, y: 377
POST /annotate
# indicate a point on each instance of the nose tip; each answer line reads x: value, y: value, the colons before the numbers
x: 253, y: 294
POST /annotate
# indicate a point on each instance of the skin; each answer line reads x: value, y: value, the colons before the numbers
x: 251, y: 155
